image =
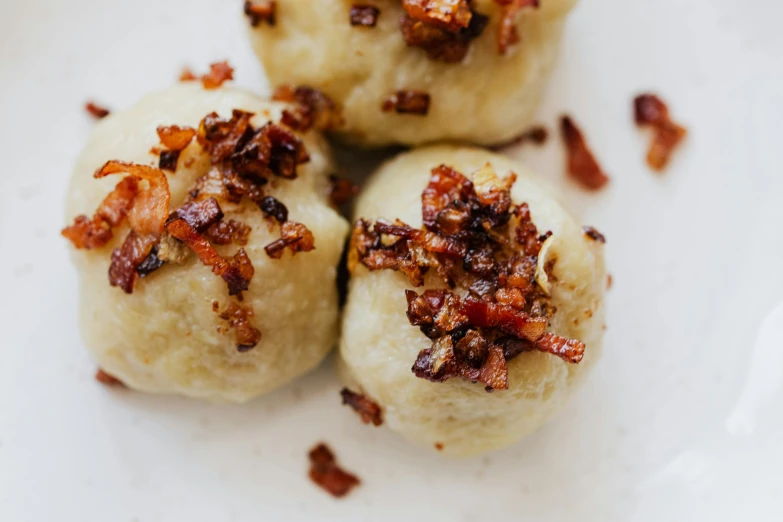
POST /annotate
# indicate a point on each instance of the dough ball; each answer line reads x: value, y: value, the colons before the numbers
x: 165, y: 337
x: 379, y: 346
x: 487, y: 98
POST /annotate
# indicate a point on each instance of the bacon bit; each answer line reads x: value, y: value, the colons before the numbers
x: 273, y: 208
x: 95, y: 110
x: 465, y: 241
x: 326, y: 473
x: 200, y: 214
x: 364, y: 15
x: 582, y: 165
x: 594, y: 234
x: 219, y: 72
x: 225, y: 233
x: 236, y: 272
x: 168, y: 160
x: 151, y: 263
x: 187, y: 75
x: 239, y: 318
x: 650, y: 110
x: 440, y: 44
x: 293, y: 235
x: 341, y: 190
x: 107, y: 379
x: 174, y: 137
x: 367, y: 409
x: 439, y: 446
x: 97, y: 232
x: 508, y: 34
x: 408, y: 102
x: 313, y: 108
x: 261, y: 11
x: 126, y: 260
x: 609, y: 281
x: 450, y: 15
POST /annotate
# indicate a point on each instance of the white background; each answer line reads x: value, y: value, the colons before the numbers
x: 682, y: 419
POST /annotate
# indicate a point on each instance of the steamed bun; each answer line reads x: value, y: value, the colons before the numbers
x: 168, y: 336
x: 379, y: 344
x: 485, y: 97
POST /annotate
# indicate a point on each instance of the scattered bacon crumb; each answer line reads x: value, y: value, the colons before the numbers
x: 97, y: 232
x: 187, y: 75
x: 327, y: 474
x: 450, y: 15
x: 364, y: 15
x: 367, y: 409
x: 582, y: 165
x: 239, y: 318
x: 219, y: 72
x: 273, y: 208
x: 174, y: 137
x: 107, y: 379
x: 96, y: 110
x: 261, y: 11
x: 609, y: 281
x: 595, y: 235
x: 227, y: 232
x: 439, y: 446
x: 295, y: 236
x: 341, y: 190
x: 650, y: 110
x: 313, y: 108
x: 407, y: 102
x: 508, y: 34
x: 200, y: 214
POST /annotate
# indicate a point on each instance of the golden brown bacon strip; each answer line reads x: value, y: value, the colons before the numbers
x: 261, y: 11
x: 650, y: 110
x: 367, y: 409
x: 95, y: 110
x: 97, y: 232
x: 582, y: 165
x: 505, y: 318
x: 327, y: 474
x: 294, y: 236
x: 407, y: 102
x: 364, y: 15
x: 236, y: 271
x: 239, y: 318
x: 570, y: 350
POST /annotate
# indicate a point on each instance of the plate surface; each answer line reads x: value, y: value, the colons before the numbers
x: 680, y: 421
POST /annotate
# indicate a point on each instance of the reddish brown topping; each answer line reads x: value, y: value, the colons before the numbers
x: 341, y: 190
x: 326, y: 473
x: 96, y: 232
x: 408, y: 102
x: 293, y: 235
x: 508, y: 34
x: 219, y: 72
x: 227, y: 232
x: 465, y: 241
x: 609, y: 281
x: 108, y: 379
x: 126, y: 260
x: 313, y: 108
x: 96, y: 110
x: 364, y: 15
x: 187, y: 75
x: 236, y: 271
x: 441, y: 44
x: 261, y: 11
x: 200, y: 214
x: 537, y: 135
x: 439, y: 446
x: 174, y: 137
x: 273, y: 208
x: 650, y: 110
x: 367, y: 409
x: 239, y: 318
x: 594, y: 234
x: 451, y: 15
x: 582, y: 165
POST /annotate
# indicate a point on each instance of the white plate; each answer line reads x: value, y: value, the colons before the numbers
x: 681, y: 420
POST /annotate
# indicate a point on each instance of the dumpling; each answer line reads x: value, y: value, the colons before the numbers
x: 213, y: 278
x: 415, y: 71
x: 471, y: 331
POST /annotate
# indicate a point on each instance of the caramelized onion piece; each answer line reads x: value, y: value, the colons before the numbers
x: 174, y: 137
x: 295, y: 236
x: 367, y: 409
x: 407, y: 102
x: 582, y: 165
x: 650, y: 110
x: 364, y: 15
x: 327, y: 474
x: 95, y: 110
x: 259, y: 11
x: 236, y: 271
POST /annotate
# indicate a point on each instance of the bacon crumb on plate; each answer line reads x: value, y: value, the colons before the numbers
x: 96, y: 110
x: 582, y: 165
x: 368, y: 410
x: 651, y: 111
x: 327, y: 474
x: 107, y: 379
x: 407, y: 102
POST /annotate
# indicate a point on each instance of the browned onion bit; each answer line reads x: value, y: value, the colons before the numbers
x: 108, y: 379
x: 367, y: 409
x: 464, y: 241
x: 95, y: 110
x: 582, y: 165
x: 364, y: 15
x: 326, y: 473
x: 239, y: 318
x: 259, y: 11
x: 407, y: 102
x: 650, y: 110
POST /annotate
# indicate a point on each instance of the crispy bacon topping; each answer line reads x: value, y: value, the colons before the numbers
x: 107, y: 379
x: 364, y: 15
x: 327, y: 474
x: 650, y: 110
x: 293, y: 235
x: 465, y: 242
x: 200, y: 214
x: 341, y: 190
x: 261, y: 11
x: 219, y: 72
x: 407, y: 102
x: 367, y: 409
x: 187, y: 75
x: 95, y: 110
x: 227, y: 232
x: 450, y: 15
x: 312, y: 108
x: 508, y: 34
x: 582, y: 165
x: 442, y: 44
x: 174, y: 137
x: 239, y: 318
